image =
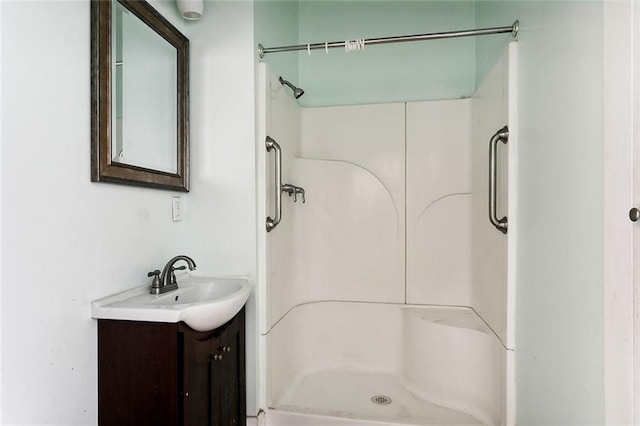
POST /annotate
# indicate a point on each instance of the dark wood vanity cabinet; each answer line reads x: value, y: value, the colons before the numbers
x: 168, y: 374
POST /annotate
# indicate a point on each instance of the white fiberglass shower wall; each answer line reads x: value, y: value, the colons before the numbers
x: 389, y: 295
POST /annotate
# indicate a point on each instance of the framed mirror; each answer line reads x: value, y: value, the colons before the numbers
x: 139, y: 97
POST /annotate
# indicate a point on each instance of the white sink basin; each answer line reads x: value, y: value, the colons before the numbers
x: 204, y: 303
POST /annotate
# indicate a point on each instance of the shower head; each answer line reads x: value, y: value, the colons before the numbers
x: 297, y: 92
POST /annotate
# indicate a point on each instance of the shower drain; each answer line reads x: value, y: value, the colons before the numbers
x: 381, y: 399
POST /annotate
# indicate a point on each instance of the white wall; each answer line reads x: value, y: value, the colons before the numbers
x: 439, y: 193
x: 282, y: 123
x: 1, y: 215
x: 490, y: 260
x: 559, y: 320
x: 353, y: 223
x: 67, y: 241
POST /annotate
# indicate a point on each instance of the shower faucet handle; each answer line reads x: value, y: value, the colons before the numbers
x: 293, y: 190
x: 289, y: 189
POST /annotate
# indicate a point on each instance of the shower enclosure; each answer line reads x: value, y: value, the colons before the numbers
x: 388, y: 295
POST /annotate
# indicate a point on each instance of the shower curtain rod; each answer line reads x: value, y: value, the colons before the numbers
x: 359, y: 44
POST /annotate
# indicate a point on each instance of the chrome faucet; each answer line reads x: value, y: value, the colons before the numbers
x: 166, y: 281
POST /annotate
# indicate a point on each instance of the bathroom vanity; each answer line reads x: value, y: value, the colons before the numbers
x: 154, y: 373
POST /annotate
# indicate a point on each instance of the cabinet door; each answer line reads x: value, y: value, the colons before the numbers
x: 196, y: 363
x: 137, y: 373
x: 228, y: 376
x: 213, y: 380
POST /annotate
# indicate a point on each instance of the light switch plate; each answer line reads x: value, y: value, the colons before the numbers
x: 177, y: 209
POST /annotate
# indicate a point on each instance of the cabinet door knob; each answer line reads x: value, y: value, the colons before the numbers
x: 226, y: 349
x: 634, y: 214
x: 216, y: 357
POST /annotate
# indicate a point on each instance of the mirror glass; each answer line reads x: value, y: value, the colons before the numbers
x: 139, y: 97
x: 144, y: 87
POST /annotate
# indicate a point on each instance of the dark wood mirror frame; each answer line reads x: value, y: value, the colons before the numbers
x: 102, y: 168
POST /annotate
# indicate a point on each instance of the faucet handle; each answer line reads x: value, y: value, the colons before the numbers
x: 172, y: 276
x: 156, y: 278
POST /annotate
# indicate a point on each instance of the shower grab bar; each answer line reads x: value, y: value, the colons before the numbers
x: 271, y: 144
x: 501, y: 135
x: 280, y: 187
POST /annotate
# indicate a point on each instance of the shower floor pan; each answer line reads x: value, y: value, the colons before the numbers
x: 329, y: 362
x: 335, y: 398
